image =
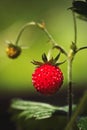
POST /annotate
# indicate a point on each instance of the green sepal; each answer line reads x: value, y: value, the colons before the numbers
x: 60, y: 63
x: 44, y: 57
x: 56, y: 58
x: 36, y: 62
x: 52, y: 61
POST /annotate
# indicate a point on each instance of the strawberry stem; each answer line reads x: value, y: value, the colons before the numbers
x: 70, y: 94
x: 75, y: 27
x: 55, y: 45
x: 81, y: 48
x: 22, y: 30
x: 71, y: 55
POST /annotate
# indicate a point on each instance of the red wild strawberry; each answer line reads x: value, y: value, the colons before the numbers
x: 47, y: 77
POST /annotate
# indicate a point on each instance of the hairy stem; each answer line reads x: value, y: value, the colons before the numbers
x: 22, y: 30
x: 44, y: 29
x: 75, y: 27
x: 70, y: 60
x: 70, y: 95
x: 50, y: 37
x: 54, y: 44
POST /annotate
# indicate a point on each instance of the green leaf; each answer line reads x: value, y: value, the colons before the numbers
x: 81, y: 109
x: 37, y: 110
x: 82, y: 123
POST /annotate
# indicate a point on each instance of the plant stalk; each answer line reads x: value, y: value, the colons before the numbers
x: 70, y: 93
x: 70, y: 60
x: 22, y: 30
x: 75, y: 28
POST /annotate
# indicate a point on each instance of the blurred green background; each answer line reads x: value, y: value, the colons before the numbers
x: 15, y: 75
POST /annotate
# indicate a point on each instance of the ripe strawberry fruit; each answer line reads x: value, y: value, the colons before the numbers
x: 47, y: 77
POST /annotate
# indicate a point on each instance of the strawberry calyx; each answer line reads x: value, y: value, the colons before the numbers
x: 52, y: 61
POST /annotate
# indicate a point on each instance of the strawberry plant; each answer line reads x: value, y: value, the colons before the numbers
x: 48, y: 79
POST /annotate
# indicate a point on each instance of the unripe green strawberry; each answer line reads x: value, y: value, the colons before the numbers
x: 47, y: 77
